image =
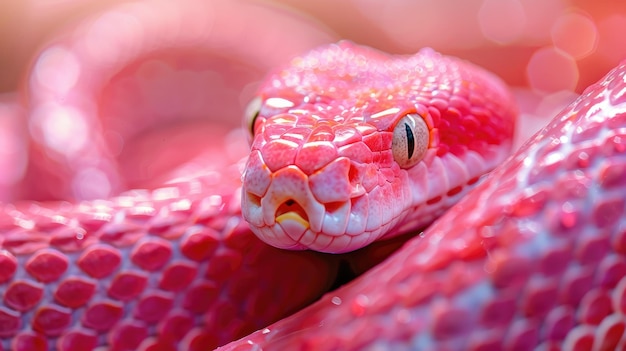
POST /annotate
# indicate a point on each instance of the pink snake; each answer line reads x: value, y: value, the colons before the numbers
x: 533, y: 256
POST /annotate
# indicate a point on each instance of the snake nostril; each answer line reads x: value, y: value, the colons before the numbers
x: 353, y: 174
x: 253, y: 199
x: 293, y: 207
x: 356, y: 178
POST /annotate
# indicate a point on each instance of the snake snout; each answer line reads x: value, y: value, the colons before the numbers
x: 295, y: 208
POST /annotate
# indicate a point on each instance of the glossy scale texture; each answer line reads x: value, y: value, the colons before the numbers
x: 322, y: 174
x: 168, y: 269
x: 534, y: 258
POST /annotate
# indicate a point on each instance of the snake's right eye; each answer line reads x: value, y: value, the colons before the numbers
x: 410, y: 140
x: 252, y: 112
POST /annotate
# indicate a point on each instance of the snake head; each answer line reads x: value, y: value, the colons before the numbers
x: 349, y: 145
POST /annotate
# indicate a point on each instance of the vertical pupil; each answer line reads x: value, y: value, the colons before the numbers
x: 410, y: 140
x: 252, y: 124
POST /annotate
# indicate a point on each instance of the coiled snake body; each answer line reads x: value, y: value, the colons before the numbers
x: 533, y: 256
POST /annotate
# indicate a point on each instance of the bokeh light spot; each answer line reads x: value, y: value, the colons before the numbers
x: 57, y: 69
x: 502, y: 21
x: 576, y: 34
x: 551, y: 70
x: 61, y: 128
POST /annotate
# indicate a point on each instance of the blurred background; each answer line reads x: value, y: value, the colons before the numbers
x: 100, y: 96
x: 578, y: 39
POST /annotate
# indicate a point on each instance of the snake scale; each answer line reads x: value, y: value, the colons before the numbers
x: 531, y: 259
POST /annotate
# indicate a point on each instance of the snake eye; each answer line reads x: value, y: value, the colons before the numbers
x: 410, y: 140
x: 251, y: 113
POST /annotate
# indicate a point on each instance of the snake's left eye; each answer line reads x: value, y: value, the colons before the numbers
x: 410, y: 140
x: 251, y: 113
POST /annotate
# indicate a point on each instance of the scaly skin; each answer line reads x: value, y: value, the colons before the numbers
x: 533, y: 258
x: 173, y: 268
x: 323, y: 173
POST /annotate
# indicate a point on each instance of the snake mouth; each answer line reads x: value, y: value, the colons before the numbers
x: 292, y: 210
x: 292, y: 218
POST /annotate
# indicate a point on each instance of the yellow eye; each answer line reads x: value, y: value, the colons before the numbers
x: 251, y: 113
x: 410, y: 140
